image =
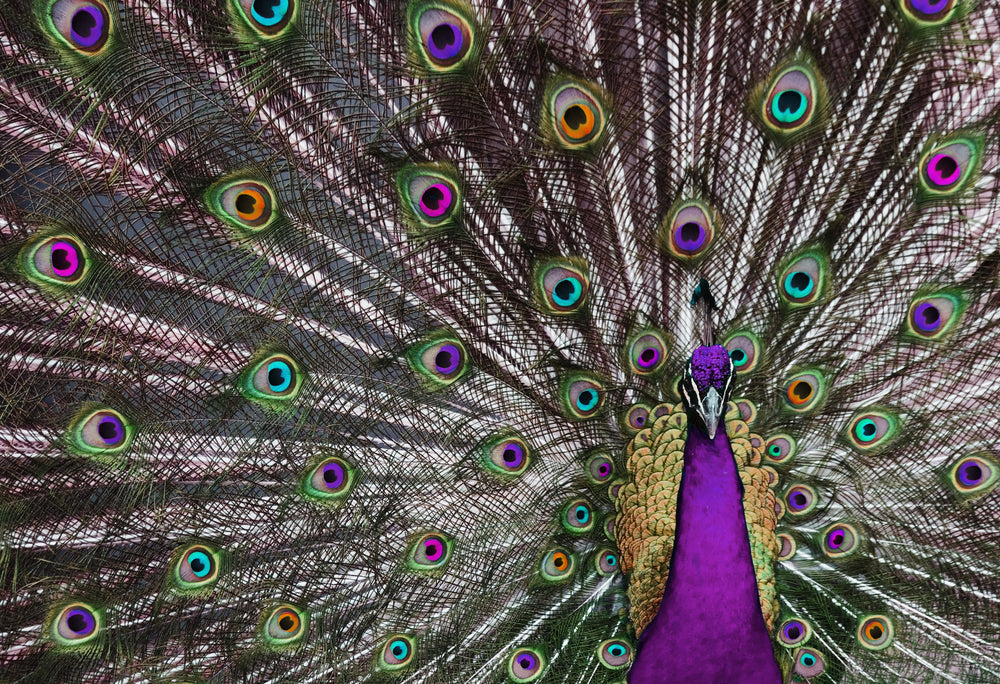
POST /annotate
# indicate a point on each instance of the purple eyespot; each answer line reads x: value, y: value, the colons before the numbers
x: 65, y: 259
x: 927, y: 317
x: 970, y: 473
x: 111, y: 430
x: 648, y: 357
x: 333, y: 475
x: 527, y: 661
x: 436, y: 200
x: 513, y: 455
x: 792, y: 631
x: 930, y: 7
x: 447, y: 359
x: 835, y: 539
x: 445, y: 41
x: 433, y: 549
x: 690, y: 237
x: 800, y: 499
x: 943, y: 170
x: 80, y: 622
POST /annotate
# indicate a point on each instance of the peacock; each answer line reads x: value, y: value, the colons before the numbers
x: 500, y: 341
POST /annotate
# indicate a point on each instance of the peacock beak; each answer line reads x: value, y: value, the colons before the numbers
x: 710, y: 410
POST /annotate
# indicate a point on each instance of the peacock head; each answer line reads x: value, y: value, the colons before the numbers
x: 707, y: 386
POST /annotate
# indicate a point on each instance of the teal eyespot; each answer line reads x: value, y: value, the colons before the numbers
x: 577, y: 517
x: 75, y: 624
x: 808, y: 662
x: 615, y: 654
x: 439, y: 360
x: 803, y: 280
x: 744, y: 350
x: 780, y: 448
x: 582, y: 396
x: 557, y: 565
x: 266, y: 19
x: 285, y: 626
x: 275, y: 378
x: 396, y: 652
x: 606, y: 562
x: 872, y: 430
x: 526, y: 665
x: 100, y: 431
x: 561, y: 286
x: 195, y: 568
x: 792, y: 101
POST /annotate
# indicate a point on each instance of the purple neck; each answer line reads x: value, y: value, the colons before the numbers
x: 709, y: 627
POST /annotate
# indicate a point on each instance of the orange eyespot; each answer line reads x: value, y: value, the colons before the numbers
x: 577, y: 121
x: 560, y: 560
x: 800, y: 392
x: 250, y: 205
x: 288, y: 621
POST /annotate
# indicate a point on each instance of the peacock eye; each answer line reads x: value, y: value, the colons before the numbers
x: 600, y: 469
x: 445, y: 36
x: 284, y: 626
x: 932, y: 318
x: 84, y: 25
x: 636, y: 417
x: 430, y: 552
x: 75, y: 624
x: 101, y: 431
x: 56, y: 260
x: 790, y: 104
x: 197, y: 567
x: 506, y: 455
x: 525, y: 665
x: 872, y: 430
x: 803, y: 280
x: 947, y: 169
x: 744, y: 350
x: 606, y: 562
x: 430, y: 195
x: 787, y: 547
x: 800, y: 499
x: 615, y: 654
x: 397, y: 652
x: 780, y: 448
x: 582, y: 397
x: 561, y: 287
x: 928, y: 12
x: 689, y: 230
x: 331, y: 479
x: 245, y: 205
x: 439, y: 360
x: 277, y: 378
x: 574, y: 116
x: 808, y: 662
x: 840, y: 540
x: 794, y: 631
x: 875, y: 632
x: 557, y: 565
x: 974, y: 475
x: 577, y: 517
x: 647, y: 353
x: 804, y: 391
x: 267, y: 17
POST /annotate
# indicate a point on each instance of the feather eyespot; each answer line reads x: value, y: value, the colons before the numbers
x: 808, y: 662
x: 442, y: 34
x: 396, y: 653
x: 439, y: 361
x: 800, y: 500
x: 974, y: 475
x: 615, y: 654
x: 195, y: 568
x: 557, y: 565
x: 577, y: 517
x: 787, y: 547
x: 285, y: 626
x: 780, y: 448
x: 689, y: 230
x: 873, y: 430
x: 330, y: 480
x: 75, y: 624
x: 101, y: 432
x: 525, y: 665
x: 60, y: 260
x: 430, y: 552
x: 267, y: 18
x: 247, y: 206
x: 803, y: 281
x: 582, y: 396
x: 792, y: 100
x: 431, y: 197
x: 606, y: 562
x: 600, y: 469
x: 875, y: 632
x: 928, y: 12
x: 636, y: 418
x: 561, y: 285
x: 804, y: 391
x: 506, y: 455
x: 82, y: 25
x: 647, y: 352
x: 840, y: 541
x: 948, y: 168
x: 794, y: 631
x: 275, y: 378
x: 934, y: 317
x: 744, y: 350
x: 574, y: 115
